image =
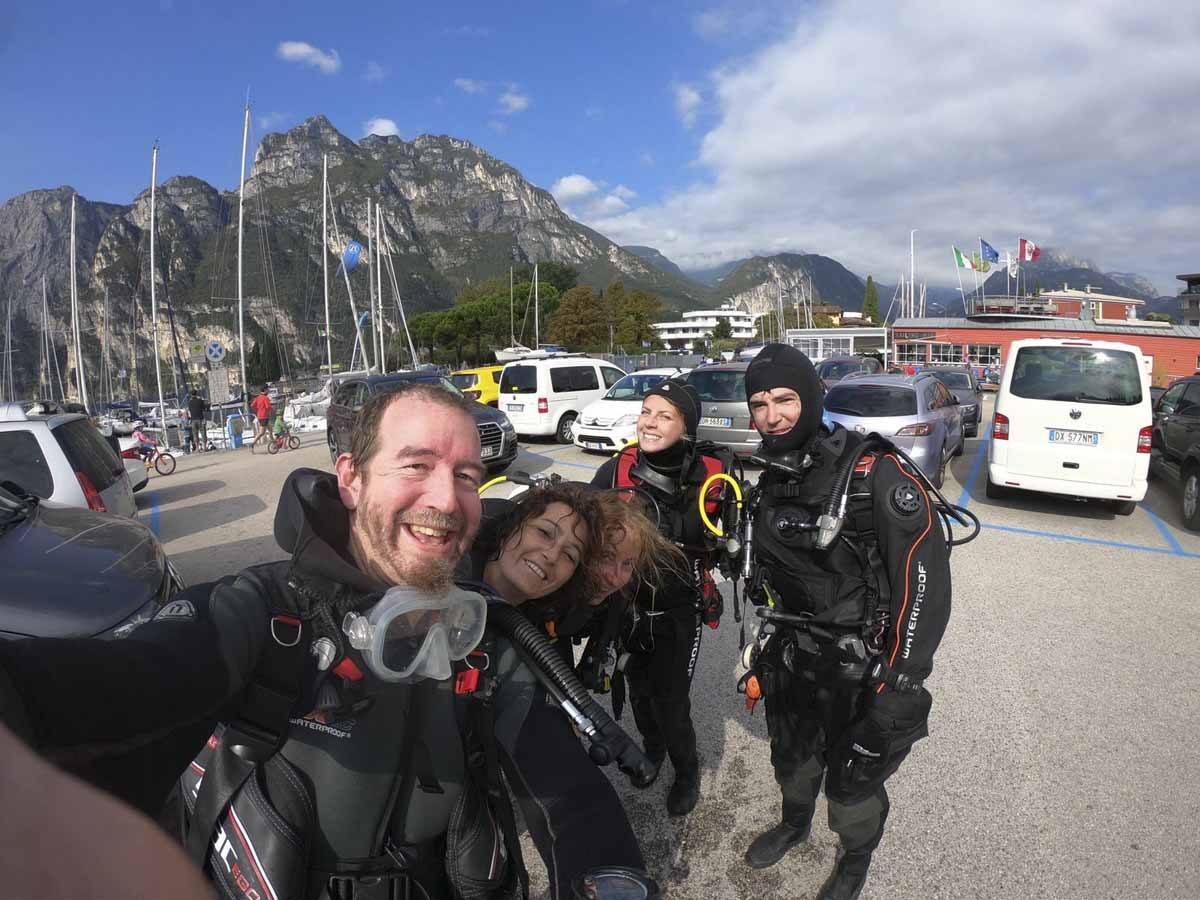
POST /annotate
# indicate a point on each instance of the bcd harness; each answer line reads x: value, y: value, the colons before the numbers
x: 253, y: 736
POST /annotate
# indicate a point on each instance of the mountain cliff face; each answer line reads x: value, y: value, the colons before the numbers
x: 452, y: 215
x: 756, y: 281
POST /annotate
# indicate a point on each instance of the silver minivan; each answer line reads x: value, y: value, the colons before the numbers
x: 61, y: 458
x: 724, y: 415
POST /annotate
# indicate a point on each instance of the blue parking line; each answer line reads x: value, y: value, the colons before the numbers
x: 153, y: 498
x: 1165, y: 531
x: 1086, y: 540
x: 977, y: 461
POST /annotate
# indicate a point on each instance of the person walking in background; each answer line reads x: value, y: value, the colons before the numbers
x: 261, y: 407
x: 197, y: 409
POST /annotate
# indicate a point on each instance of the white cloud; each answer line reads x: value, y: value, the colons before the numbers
x: 382, y: 127
x: 572, y: 188
x: 328, y: 62
x: 470, y: 85
x: 374, y: 71
x: 687, y: 103
x: 608, y: 205
x: 866, y: 120
x: 513, y: 101
x: 268, y: 121
x: 625, y: 193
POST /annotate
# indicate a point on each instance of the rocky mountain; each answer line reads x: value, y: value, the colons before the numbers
x: 452, y: 214
x: 1056, y: 267
x: 655, y: 258
x: 756, y: 281
x: 712, y: 275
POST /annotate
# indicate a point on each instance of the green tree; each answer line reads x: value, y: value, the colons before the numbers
x: 724, y: 330
x: 870, y: 307
x: 579, y: 322
x: 1159, y: 317
x: 262, y: 362
x: 635, y: 313
x: 560, y: 275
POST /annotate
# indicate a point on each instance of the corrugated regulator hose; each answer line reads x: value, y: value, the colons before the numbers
x: 608, y: 740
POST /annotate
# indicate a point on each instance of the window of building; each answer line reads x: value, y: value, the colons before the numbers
x: 945, y: 353
x: 910, y: 353
x: 986, y: 355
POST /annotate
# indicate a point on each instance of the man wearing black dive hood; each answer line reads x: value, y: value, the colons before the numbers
x: 876, y: 594
x: 349, y: 765
x: 663, y: 640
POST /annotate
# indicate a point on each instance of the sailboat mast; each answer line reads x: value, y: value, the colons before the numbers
x: 371, y: 282
x: 82, y: 388
x: 337, y: 236
x: 325, y: 256
x: 537, y: 335
x: 105, y: 381
x: 162, y: 415
x: 241, y: 298
x: 379, y: 288
x: 46, y: 341
x: 512, y: 326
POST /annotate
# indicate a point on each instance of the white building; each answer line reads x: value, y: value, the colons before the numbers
x: 699, y: 324
x: 822, y: 343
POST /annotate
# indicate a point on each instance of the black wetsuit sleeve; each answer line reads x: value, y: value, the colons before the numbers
x: 606, y: 474
x: 913, y: 547
x: 129, y: 715
x: 571, y: 809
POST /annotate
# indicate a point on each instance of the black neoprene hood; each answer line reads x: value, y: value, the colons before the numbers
x: 783, y: 366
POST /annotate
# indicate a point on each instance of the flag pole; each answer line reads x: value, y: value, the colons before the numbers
x: 982, y: 262
x: 958, y: 272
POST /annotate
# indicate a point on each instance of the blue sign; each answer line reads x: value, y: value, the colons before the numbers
x: 350, y: 257
x: 364, y: 319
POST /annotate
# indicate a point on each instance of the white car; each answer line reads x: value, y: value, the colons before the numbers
x: 611, y: 422
x: 543, y: 397
x: 1072, y: 417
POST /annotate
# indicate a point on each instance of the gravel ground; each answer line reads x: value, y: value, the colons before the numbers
x: 1059, y: 762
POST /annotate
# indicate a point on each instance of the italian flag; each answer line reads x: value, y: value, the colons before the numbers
x: 964, y: 262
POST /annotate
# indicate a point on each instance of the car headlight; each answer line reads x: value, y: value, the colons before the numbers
x: 969, y: 409
x: 140, y: 616
x: 506, y: 425
x: 630, y: 419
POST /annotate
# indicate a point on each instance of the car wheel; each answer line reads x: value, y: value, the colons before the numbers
x: 995, y: 491
x: 1191, y: 499
x: 962, y: 445
x: 939, y: 477
x: 1124, y: 507
x: 564, y: 429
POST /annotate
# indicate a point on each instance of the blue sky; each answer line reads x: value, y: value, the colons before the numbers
x: 710, y: 130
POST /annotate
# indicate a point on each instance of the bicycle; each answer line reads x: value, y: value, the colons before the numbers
x: 281, y: 440
x: 163, y: 462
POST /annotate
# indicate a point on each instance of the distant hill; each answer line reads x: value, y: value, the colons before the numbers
x: 757, y: 280
x: 712, y: 276
x: 655, y: 258
x: 1056, y: 268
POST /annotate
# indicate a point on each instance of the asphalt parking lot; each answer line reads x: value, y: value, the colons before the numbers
x: 1060, y: 762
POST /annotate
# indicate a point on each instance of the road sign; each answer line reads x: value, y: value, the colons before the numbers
x: 214, y: 352
x: 218, y: 384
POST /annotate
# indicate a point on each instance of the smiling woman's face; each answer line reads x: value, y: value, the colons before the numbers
x: 540, y: 556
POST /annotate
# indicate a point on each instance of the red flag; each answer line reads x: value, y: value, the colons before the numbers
x: 1028, y: 251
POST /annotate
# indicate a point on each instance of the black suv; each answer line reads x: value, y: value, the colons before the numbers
x: 966, y: 390
x: 1176, y: 443
x: 497, y: 437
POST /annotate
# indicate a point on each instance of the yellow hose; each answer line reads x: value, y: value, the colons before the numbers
x: 495, y: 481
x: 737, y: 494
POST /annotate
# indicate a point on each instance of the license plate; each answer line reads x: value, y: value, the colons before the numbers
x: 516, y: 407
x: 489, y: 452
x: 593, y: 445
x: 1086, y: 438
x: 716, y: 422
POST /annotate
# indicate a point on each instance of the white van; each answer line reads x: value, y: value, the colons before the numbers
x: 545, y: 396
x: 1072, y: 417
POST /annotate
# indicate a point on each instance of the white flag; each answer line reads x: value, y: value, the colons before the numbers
x: 1013, y: 268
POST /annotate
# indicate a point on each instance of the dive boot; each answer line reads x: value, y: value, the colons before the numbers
x: 770, y: 846
x: 640, y: 782
x: 684, y: 793
x: 848, y: 878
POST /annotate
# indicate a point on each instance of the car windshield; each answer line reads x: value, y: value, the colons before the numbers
x: 1077, y: 375
x: 836, y: 370
x: 868, y: 401
x: 633, y: 387
x: 715, y: 386
x: 518, y: 380
x: 954, y: 379
x: 463, y: 382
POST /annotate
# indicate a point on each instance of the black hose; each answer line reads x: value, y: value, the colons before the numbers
x: 609, y: 742
x: 841, y: 480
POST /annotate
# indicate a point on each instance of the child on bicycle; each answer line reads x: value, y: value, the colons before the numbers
x: 146, y: 445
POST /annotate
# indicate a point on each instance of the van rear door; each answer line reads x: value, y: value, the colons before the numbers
x: 1074, y: 413
x: 519, y: 394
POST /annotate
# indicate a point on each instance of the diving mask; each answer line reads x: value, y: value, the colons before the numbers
x: 410, y: 635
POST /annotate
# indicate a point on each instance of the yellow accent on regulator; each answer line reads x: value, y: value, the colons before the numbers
x: 499, y: 479
x: 737, y: 493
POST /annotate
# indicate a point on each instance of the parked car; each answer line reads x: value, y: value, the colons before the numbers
x: 836, y: 368
x: 1176, y: 444
x: 724, y: 415
x: 72, y: 572
x: 916, y: 412
x: 1072, y: 417
x: 481, y: 384
x: 966, y: 390
x: 611, y: 422
x: 61, y: 457
x: 497, y: 438
x: 544, y: 397
x: 1155, y: 393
